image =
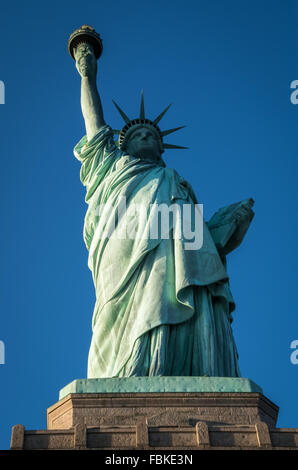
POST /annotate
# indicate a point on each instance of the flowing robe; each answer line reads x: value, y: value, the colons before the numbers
x: 160, y: 309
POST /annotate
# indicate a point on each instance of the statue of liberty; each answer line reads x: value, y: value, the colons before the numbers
x: 161, y: 309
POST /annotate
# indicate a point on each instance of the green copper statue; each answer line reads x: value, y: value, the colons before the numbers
x: 162, y: 307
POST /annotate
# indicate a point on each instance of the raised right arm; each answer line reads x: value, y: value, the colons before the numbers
x: 86, y: 65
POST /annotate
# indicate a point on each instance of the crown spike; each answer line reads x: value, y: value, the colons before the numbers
x: 142, y: 110
x: 170, y: 146
x: 125, y: 118
x: 156, y: 120
x: 170, y: 131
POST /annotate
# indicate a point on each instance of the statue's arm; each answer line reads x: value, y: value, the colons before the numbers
x: 86, y: 65
x: 91, y: 107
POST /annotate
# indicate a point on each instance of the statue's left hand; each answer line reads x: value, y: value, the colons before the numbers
x: 243, y: 217
x: 229, y: 225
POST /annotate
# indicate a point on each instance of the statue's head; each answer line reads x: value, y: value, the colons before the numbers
x: 142, y: 137
x: 85, y: 58
x: 144, y: 142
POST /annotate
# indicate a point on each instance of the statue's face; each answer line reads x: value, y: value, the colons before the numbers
x: 143, y: 143
x: 85, y: 59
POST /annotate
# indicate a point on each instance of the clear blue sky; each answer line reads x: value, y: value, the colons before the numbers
x: 227, y: 67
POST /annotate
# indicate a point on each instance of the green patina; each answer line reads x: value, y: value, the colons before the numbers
x: 161, y: 384
x: 161, y: 309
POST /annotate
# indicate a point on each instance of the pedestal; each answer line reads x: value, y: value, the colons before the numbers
x: 160, y: 413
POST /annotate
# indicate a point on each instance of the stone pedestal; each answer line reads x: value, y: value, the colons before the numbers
x: 179, y: 418
x: 161, y: 409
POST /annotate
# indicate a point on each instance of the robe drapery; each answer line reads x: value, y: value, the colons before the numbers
x: 160, y: 309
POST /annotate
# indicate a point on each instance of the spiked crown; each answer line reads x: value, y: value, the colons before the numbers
x: 142, y: 121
